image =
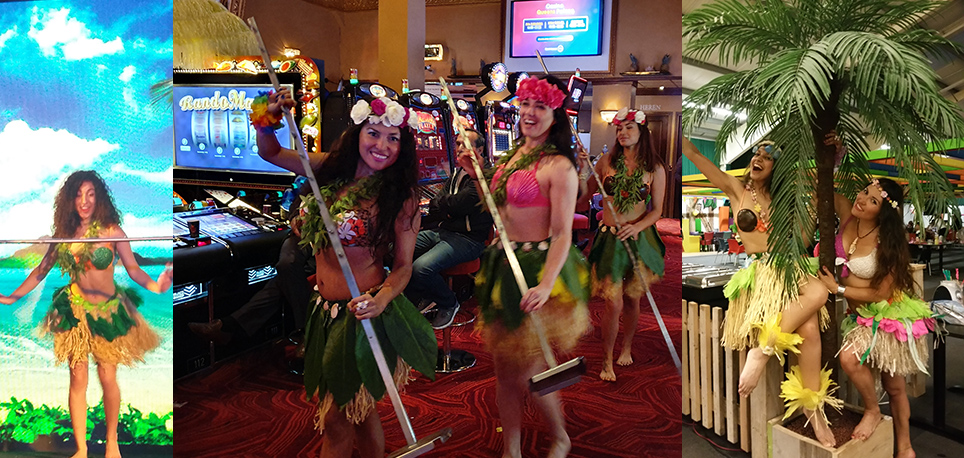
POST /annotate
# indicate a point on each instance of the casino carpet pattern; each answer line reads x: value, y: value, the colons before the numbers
x: 251, y: 406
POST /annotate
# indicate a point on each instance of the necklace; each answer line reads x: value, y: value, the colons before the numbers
x: 626, y: 185
x: 527, y: 159
x: 313, y: 229
x: 762, y: 224
x: 853, y: 245
x: 75, y: 264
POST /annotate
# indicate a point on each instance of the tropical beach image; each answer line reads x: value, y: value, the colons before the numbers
x: 85, y: 324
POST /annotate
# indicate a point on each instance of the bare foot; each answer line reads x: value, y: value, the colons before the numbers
x: 906, y: 453
x: 755, y: 362
x: 821, y: 430
x: 625, y: 358
x: 81, y: 453
x: 607, y: 373
x: 112, y: 451
x: 867, y: 424
x: 560, y: 448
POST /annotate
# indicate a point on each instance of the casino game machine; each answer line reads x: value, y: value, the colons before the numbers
x: 337, y: 107
x: 432, y: 143
x: 468, y: 117
x: 501, y: 119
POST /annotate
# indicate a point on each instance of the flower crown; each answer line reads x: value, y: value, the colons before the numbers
x: 625, y: 114
x: 541, y: 90
x: 770, y: 148
x: 384, y: 111
x: 883, y: 194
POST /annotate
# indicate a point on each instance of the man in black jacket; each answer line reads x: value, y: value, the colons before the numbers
x: 453, y: 232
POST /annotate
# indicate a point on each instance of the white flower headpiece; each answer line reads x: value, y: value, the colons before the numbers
x: 384, y: 111
x: 626, y: 114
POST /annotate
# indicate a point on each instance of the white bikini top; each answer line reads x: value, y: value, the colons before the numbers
x: 864, y: 266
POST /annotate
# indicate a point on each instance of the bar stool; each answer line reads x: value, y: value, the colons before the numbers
x: 455, y: 360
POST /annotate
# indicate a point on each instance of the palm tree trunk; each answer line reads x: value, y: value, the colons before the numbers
x: 825, y: 123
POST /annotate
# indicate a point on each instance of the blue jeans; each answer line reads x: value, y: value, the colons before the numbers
x: 435, y: 251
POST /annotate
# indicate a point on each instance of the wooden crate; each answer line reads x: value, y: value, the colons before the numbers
x: 788, y: 444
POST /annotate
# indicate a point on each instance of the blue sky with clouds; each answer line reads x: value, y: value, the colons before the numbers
x: 75, y: 83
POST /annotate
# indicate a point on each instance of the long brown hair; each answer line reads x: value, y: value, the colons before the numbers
x: 645, y: 152
x: 893, y: 256
x: 66, y: 218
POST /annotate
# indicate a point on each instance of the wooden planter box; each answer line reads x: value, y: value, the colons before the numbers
x: 788, y: 444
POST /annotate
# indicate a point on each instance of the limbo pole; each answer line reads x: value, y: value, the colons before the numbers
x: 632, y: 255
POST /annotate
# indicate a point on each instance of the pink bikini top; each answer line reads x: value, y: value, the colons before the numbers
x: 522, y: 188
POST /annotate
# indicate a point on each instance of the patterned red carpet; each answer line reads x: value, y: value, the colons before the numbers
x: 252, y: 407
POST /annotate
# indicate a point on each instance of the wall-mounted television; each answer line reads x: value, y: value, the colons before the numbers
x: 568, y: 34
x: 211, y: 127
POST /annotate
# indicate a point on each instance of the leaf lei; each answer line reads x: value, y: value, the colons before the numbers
x: 626, y: 185
x: 499, y: 190
x: 75, y: 264
x: 313, y: 231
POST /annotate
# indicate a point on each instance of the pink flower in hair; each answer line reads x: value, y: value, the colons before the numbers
x: 378, y: 107
x: 536, y: 89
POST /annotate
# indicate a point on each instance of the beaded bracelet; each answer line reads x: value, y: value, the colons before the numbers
x: 261, y: 118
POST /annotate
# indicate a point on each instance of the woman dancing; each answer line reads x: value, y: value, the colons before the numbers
x: 92, y: 315
x: 635, y: 181
x: 886, y: 326
x: 368, y: 181
x: 535, y: 186
x: 762, y: 310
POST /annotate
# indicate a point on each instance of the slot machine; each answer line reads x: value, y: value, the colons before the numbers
x: 337, y: 107
x: 501, y: 119
x: 577, y: 91
x: 468, y: 116
x: 431, y: 137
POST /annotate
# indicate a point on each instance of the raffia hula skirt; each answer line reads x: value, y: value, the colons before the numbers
x: 890, y: 336
x: 612, y: 270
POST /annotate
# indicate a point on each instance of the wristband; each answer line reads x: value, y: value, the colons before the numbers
x: 841, y: 289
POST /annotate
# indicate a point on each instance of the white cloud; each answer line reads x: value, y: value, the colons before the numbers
x: 151, y: 226
x: 163, y: 177
x: 57, y: 29
x: 7, y: 35
x: 27, y: 220
x: 43, y: 155
x: 127, y: 74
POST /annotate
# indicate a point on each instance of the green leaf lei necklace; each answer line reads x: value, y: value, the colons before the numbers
x: 75, y: 264
x: 527, y: 159
x: 313, y: 229
x: 626, y: 185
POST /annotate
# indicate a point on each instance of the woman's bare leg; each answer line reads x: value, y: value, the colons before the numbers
x: 371, y: 437
x: 610, y: 327
x: 813, y: 296
x: 510, y: 390
x: 108, y: 381
x: 863, y: 379
x: 896, y: 388
x: 551, y: 407
x: 630, y: 323
x: 339, y: 435
x: 809, y: 361
x: 77, y: 404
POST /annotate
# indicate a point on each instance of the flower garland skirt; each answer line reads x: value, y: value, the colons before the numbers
x: 890, y: 336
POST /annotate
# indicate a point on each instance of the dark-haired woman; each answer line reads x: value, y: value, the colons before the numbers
x: 635, y: 181
x: 534, y: 186
x: 368, y: 181
x: 886, y: 326
x: 763, y: 315
x: 92, y: 315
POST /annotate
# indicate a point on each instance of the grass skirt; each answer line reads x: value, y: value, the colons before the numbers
x: 340, y: 366
x: 612, y: 270
x: 113, y: 331
x: 890, y: 336
x: 757, y: 293
x: 509, y: 336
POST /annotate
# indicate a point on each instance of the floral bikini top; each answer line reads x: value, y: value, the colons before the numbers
x: 354, y: 223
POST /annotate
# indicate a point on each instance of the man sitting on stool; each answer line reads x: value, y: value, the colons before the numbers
x: 453, y: 232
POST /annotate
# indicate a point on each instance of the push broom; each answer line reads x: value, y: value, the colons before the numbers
x: 558, y: 376
x: 632, y: 255
x: 415, y: 447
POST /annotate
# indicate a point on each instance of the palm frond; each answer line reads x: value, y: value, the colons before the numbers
x: 740, y: 31
x: 163, y: 92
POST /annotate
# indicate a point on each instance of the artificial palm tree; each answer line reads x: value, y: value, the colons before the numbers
x: 854, y: 66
